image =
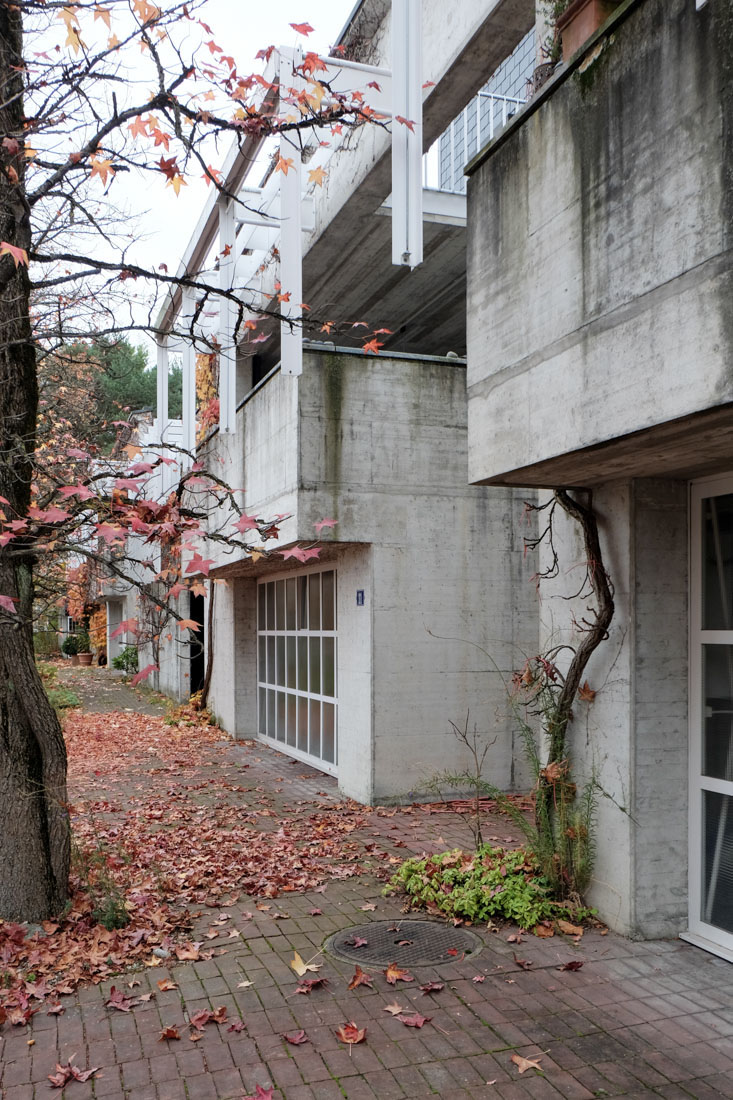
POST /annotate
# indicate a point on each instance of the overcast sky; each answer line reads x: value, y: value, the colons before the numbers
x: 241, y: 27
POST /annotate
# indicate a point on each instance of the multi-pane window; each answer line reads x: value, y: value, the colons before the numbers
x: 296, y: 659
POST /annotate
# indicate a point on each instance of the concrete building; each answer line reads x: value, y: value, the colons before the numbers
x: 421, y: 602
x: 600, y: 343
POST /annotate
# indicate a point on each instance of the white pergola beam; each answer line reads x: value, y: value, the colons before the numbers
x: 228, y: 351
x: 407, y: 235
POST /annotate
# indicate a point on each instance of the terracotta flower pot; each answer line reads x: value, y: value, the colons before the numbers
x: 75, y: 658
x: 85, y: 659
x: 582, y: 19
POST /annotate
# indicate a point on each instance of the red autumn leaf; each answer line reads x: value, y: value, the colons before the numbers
x: 165, y: 983
x: 261, y: 1094
x: 395, y: 974
x: 432, y: 987
x: 306, y: 985
x: 350, y: 1033
x: 405, y: 122
x: 360, y: 978
x: 523, y: 964
x: 143, y: 675
x: 356, y: 941
x: 302, y: 28
x: 237, y: 1026
x: 414, y: 1020
x: 168, y: 1033
x: 20, y: 256
x: 455, y: 953
x: 573, y: 964
x: 296, y: 1037
x: 201, y: 1018
x: 67, y: 1073
x: 118, y: 1000
x: 8, y: 603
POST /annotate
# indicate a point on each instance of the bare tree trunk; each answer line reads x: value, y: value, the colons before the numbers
x: 34, y: 820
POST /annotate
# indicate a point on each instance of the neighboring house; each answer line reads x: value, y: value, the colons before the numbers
x: 600, y: 352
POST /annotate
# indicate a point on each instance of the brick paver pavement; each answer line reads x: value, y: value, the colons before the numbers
x: 638, y: 1019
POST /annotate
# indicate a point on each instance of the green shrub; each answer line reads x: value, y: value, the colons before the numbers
x: 492, y: 882
x: 126, y: 661
x: 85, y: 645
x: 70, y: 645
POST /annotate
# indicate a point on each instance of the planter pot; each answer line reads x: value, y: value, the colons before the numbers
x: 582, y: 19
x: 85, y: 659
x: 75, y: 658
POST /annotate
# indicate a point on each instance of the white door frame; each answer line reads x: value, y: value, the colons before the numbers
x: 701, y: 932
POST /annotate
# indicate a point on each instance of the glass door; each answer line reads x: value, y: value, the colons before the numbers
x: 711, y: 713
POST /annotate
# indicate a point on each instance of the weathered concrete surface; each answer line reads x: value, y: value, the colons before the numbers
x: 600, y: 281
x: 633, y: 737
x: 379, y: 443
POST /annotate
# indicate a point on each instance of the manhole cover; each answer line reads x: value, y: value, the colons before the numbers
x: 405, y: 942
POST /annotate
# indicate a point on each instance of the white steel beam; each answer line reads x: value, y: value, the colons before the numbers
x: 162, y: 385
x: 407, y: 242
x: 188, y: 381
x: 291, y: 240
x: 228, y: 351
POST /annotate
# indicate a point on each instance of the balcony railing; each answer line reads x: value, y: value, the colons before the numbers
x: 478, y: 122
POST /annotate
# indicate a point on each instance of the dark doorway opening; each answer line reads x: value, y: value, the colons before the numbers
x: 197, y: 671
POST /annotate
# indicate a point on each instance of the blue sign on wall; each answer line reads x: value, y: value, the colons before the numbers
x: 360, y: 597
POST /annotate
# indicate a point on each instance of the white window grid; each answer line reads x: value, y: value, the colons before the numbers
x: 297, y: 665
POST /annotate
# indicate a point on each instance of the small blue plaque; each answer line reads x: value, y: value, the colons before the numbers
x: 360, y: 597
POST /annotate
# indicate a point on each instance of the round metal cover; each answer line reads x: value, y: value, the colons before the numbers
x: 405, y: 942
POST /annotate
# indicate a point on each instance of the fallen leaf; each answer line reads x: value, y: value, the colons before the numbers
x: 478, y: 978
x: 67, y: 1073
x: 394, y: 1009
x: 415, y: 1020
x: 395, y: 974
x: 296, y: 1037
x: 574, y: 964
x: 523, y: 1064
x: 356, y: 941
x: 544, y: 930
x: 432, y: 987
x: 237, y: 1026
x: 350, y: 1033
x: 165, y: 984
x: 368, y: 907
x: 261, y: 1094
x: 168, y: 1033
x: 360, y: 978
x: 523, y: 964
x: 570, y: 929
x: 53, y: 1010
x: 308, y: 984
x: 301, y: 967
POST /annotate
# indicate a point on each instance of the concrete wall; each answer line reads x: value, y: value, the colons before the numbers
x: 633, y: 737
x: 379, y: 444
x: 599, y: 269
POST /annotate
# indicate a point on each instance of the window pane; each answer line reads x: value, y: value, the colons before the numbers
x: 262, y: 656
x: 271, y: 661
x: 717, y: 663
x: 717, y: 563
x: 303, y: 724
x: 270, y: 605
x: 329, y: 666
x: 302, y: 603
x: 290, y: 603
x: 262, y: 711
x: 314, y: 601
x: 314, y: 737
x: 302, y: 664
x: 328, y: 734
x: 280, y: 604
x: 315, y: 666
x: 328, y: 591
x: 290, y: 647
x: 290, y: 735
x: 280, y: 716
x: 271, y: 725
x: 717, y: 903
x: 261, y: 606
x: 280, y: 660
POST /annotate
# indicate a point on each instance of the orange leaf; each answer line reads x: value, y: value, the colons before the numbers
x: 20, y: 256
x: 394, y: 974
x: 302, y: 28
x: 350, y: 1033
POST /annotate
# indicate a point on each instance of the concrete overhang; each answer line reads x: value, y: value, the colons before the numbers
x: 689, y: 447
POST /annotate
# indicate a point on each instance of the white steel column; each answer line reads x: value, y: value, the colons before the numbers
x: 407, y: 236
x: 188, y: 380
x: 228, y: 351
x: 162, y: 385
x: 291, y: 243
